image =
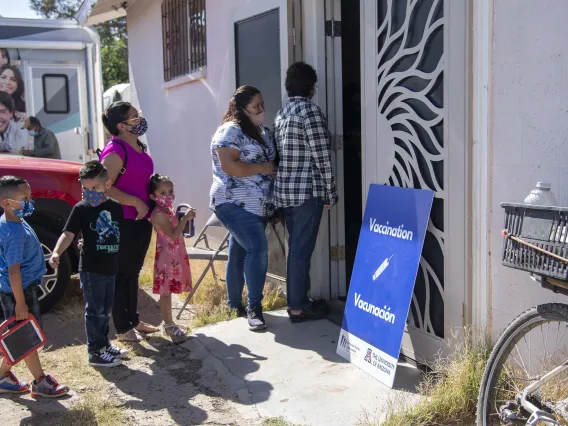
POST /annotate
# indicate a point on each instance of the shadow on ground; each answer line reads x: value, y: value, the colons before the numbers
x: 160, y: 383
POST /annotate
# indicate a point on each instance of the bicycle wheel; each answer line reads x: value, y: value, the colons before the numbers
x: 520, y: 357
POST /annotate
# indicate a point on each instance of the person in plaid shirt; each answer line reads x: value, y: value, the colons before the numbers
x: 304, y: 184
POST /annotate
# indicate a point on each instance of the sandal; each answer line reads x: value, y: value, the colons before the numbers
x: 129, y: 336
x: 172, y: 330
x: 145, y: 328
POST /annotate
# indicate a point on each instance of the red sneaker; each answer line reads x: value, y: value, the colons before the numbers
x: 10, y: 384
x: 48, y: 387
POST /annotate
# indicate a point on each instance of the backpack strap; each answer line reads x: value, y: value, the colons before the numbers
x: 123, y: 169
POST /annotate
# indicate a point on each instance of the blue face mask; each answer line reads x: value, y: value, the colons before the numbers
x: 32, y: 132
x: 26, y: 209
x: 94, y: 198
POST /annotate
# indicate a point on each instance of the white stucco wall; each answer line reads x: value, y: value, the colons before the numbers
x: 530, y: 128
x: 181, y: 119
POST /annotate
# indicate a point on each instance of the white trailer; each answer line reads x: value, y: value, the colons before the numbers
x: 59, y: 65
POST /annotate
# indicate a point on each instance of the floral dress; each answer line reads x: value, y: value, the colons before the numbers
x: 172, y: 273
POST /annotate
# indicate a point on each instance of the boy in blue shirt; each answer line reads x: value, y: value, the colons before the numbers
x: 22, y: 266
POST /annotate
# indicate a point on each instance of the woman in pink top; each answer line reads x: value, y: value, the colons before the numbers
x: 130, y: 167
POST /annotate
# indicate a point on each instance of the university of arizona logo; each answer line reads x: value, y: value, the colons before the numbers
x: 368, y: 356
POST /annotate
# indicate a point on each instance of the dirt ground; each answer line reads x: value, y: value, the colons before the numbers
x: 159, y: 383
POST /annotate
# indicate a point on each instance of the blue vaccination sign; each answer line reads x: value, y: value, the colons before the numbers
x: 382, y: 283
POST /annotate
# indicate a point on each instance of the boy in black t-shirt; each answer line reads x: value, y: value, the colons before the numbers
x: 98, y: 218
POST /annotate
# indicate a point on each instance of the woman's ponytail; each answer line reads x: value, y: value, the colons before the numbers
x: 115, y: 114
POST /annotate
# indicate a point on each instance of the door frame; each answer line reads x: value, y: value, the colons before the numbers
x: 417, y: 344
x: 334, y: 101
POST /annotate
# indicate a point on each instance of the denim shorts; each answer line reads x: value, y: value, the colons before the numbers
x: 8, y: 303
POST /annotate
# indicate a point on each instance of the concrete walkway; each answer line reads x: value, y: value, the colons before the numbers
x: 291, y: 371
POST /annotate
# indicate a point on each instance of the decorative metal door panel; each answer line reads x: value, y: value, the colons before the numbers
x: 412, y: 137
x: 410, y: 111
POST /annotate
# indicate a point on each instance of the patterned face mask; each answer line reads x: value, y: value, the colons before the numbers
x: 94, y: 198
x: 140, y: 128
x: 26, y: 209
x: 165, y: 201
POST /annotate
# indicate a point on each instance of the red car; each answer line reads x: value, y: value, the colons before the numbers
x: 55, y: 189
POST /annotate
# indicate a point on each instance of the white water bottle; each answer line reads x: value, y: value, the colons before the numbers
x: 541, y: 196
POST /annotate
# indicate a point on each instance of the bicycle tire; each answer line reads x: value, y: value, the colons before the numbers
x: 514, y: 332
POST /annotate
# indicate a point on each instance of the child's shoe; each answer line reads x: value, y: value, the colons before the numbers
x: 103, y: 359
x: 10, y: 384
x: 48, y: 387
x: 116, y: 352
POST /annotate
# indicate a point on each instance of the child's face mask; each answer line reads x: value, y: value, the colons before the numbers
x: 26, y: 208
x: 94, y: 198
x: 166, y: 201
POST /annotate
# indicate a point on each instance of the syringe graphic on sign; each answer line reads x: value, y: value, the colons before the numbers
x: 382, y: 268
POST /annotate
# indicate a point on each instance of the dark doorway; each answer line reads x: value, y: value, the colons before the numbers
x: 351, y: 66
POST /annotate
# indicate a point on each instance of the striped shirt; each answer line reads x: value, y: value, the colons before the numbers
x: 304, y: 150
x: 253, y: 193
x: 19, y: 245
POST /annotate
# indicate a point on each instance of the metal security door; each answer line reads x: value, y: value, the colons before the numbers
x: 414, y: 72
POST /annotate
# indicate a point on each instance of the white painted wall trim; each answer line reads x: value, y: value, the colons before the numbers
x: 189, y: 78
x: 481, y: 160
x: 313, y: 51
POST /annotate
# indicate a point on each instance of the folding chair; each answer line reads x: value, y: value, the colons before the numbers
x: 207, y: 253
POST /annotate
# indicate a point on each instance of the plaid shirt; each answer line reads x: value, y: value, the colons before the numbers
x: 304, y: 150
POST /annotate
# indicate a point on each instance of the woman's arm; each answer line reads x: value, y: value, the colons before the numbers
x: 113, y: 164
x: 233, y: 166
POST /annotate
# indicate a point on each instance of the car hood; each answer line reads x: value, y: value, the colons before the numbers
x: 32, y: 163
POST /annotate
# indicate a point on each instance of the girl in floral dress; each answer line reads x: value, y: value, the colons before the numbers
x: 172, y: 274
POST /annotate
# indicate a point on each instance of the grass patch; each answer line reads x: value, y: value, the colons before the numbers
x: 93, y: 409
x: 210, y: 300
x: 449, y: 392
x: 71, y: 307
x: 69, y: 365
x: 146, y: 278
x: 275, y: 421
x: 207, y: 315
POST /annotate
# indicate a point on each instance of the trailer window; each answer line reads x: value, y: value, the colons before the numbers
x: 183, y: 37
x: 55, y: 93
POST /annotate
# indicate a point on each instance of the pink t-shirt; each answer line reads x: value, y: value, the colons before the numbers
x: 136, y: 180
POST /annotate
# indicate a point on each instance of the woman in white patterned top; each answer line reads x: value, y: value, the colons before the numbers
x: 243, y: 153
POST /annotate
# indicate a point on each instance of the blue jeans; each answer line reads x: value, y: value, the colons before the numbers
x: 302, y: 224
x: 98, y: 291
x: 248, y: 254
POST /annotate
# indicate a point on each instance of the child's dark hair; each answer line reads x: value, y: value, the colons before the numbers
x: 93, y: 170
x: 115, y: 114
x: 155, y: 181
x: 9, y: 185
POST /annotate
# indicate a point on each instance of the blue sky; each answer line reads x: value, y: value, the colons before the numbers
x: 16, y: 9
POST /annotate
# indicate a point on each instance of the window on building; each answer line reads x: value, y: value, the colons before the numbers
x: 55, y: 93
x: 183, y: 37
